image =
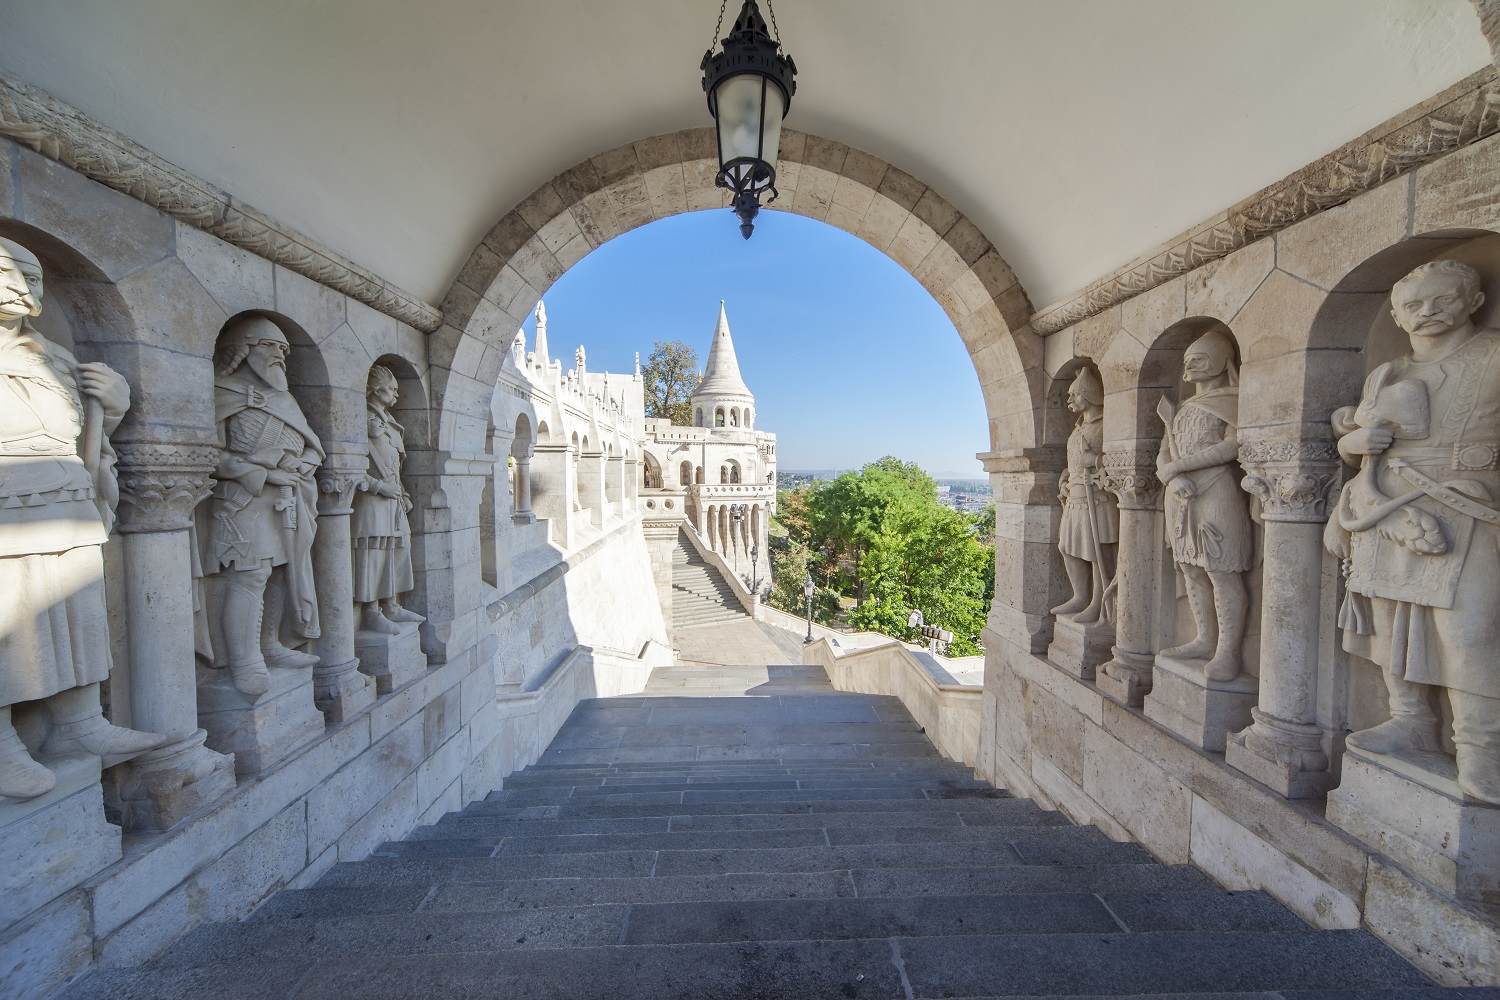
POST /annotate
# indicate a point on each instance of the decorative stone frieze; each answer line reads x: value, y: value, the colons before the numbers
x: 161, y: 484
x: 1463, y: 114
x: 36, y: 119
x: 1292, y: 479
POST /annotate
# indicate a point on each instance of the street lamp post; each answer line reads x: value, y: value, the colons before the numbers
x: 807, y: 592
x: 736, y: 517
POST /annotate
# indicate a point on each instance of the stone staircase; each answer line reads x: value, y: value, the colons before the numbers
x: 796, y: 843
x: 700, y: 595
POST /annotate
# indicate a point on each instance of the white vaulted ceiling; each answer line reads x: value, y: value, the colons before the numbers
x: 1075, y: 133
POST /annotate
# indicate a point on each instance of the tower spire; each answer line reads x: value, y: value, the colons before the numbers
x: 722, y: 374
x: 541, y: 335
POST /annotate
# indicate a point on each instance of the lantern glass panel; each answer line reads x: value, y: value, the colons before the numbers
x: 738, y: 101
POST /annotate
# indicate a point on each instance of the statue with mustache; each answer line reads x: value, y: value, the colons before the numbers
x: 261, y: 525
x: 57, y: 500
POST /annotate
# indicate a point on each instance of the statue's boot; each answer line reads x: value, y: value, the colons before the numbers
x: 20, y: 776
x: 371, y: 620
x: 243, y: 609
x: 275, y: 652
x: 1412, y: 725
x: 1476, y: 738
x: 1206, y: 628
x: 396, y: 613
x: 79, y: 727
x: 1479, y: 773
x: 1226, y: 662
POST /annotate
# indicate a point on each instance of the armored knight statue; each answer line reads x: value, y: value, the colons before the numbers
x: 1207, y: 513
x: 57, y: 499
x: 263, y: 510
x: 1418, y: 527
x: 1090, y: 520
x: 379, y: 528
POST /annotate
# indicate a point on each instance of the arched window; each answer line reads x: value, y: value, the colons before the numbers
x: 685, y: 473
x: 723, y: 474
x: 748, y: 422
x: 698, y: 417
x: 734, y: 472
x: 734, y: 416
x: 719, y: 417
x: 698, y: 475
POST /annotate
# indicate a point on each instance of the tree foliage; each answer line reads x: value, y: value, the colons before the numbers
x: 670, y: 375
x: 881, y: 537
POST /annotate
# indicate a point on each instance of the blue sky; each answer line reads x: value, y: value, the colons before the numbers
x: 848, y: 356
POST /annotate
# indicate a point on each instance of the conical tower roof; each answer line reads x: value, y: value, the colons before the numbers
x: 722, y: 376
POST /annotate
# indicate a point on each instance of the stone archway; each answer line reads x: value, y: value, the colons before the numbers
x: 614, y: 192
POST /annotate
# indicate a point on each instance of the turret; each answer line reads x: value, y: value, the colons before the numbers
x: 722, y: 399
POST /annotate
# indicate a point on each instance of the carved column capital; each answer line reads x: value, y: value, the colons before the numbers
x: 160, y: 484
x: 339, y: 477
x: 1130, y: 474
x: 1292, y: 479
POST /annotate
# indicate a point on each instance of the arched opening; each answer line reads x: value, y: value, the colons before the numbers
x: 698, y: 417
x: 734, y: 416
x: 685, y: 473
x: 698, y: 475
x: 719, y: 416
x: 723, y: 475
x: 651, y: 477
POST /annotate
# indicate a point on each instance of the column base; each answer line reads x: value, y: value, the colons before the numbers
x: 162, y: 787
x: 1409, y: 807
x: 1285, y: 756
x: 341, y: 692
x: 1201, y: 711
x: 1127, y: 677
x: 54, y: 841
x: 392, y: 660
x: 260, y: 731
x: 525, y: 518
x: 1077, y: 650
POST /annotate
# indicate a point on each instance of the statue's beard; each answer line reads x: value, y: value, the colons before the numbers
x: 271, y: 373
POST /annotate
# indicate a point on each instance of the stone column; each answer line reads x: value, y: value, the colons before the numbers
x: 1026, y: 520
x: 160, y: 485
x: 522, y: 513
x: 339, y: 689
x: 1130, y: 474
x: 1283, y: 747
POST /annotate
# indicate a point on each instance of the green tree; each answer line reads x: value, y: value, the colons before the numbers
x: 880, y: 536
x: 670, y: 375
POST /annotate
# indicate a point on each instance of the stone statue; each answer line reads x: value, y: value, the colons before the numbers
x: 263, y: 510
x: 57, y: 498
x: 1207, y: 513
x: 1090, y: 520
x: 378, y: 526
x: 1418, y: 527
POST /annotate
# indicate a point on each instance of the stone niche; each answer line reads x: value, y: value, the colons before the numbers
x: 1401, y: 792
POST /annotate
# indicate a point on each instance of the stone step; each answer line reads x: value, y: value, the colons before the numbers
x: 1118, y: 964
x: 607, y: 810
x: 356, y: 936
x: 378, y: 871
x: 611, y: 786
x: 543, y: 841
x: 566, y: 795
x: 843, y: 825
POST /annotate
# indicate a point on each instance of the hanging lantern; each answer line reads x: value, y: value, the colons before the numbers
x: 750, y: 86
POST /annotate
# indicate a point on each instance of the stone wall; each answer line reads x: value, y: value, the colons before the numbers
x: 255, y: 791
x: 1249, y: 777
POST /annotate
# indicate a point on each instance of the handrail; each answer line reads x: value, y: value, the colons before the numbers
x: 750, y: 602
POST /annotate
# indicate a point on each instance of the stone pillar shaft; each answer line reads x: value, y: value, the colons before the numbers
x: 339, y: 689
x: 160, y: 485
x: 1283, y: 748
x: 1130, y: 474
x: 523, y: 491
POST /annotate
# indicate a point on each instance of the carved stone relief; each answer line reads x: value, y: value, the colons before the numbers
x: 1417, y: 526
x: 57, y: 500
x: 379, y: 528
x: 1090, y: 522
x: 260, y: 596
x: 1207, y: 515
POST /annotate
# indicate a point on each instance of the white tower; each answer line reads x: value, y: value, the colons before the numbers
x: 722, y: 398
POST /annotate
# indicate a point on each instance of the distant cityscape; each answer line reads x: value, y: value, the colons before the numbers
x: 968, y: 495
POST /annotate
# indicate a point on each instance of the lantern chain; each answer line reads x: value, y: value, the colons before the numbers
x: 774, y: 30
x: 715, y: 39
